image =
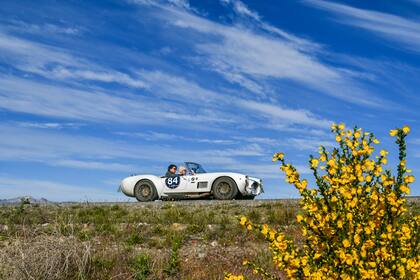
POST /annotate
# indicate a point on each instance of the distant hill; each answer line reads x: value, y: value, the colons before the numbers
x: 24, y: 199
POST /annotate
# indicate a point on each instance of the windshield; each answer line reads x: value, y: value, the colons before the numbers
x: 195, y: 167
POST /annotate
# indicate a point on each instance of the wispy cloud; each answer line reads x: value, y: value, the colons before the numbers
x: 277, y: 112
x: 96, y: 165
x: 53, y: 62
x: 55, y: 191
x: 94, y: 153
x: 49, y: 125
x: 405, y: 32
x: 245, y: 56
x: 22, y: 95
x: 44, y: 29
x: 160, y: 136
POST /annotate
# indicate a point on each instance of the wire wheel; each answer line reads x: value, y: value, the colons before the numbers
x: 225, y: 188
x: 145, y: 191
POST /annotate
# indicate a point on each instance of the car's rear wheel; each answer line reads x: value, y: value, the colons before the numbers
x: 145, y: 191
x: 224, y: 188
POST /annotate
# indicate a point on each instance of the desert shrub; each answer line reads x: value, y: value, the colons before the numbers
x: 45, y: 257
x: 135, y: 239
x: 174, y: 262
x: 141, y: 266
x: 354, y: 222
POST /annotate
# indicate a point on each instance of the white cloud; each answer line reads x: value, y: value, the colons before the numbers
x: 62, y: 149
x: 242, y: 9
x: 311, y: 144
x: 104, y: 76
x: 11, y: 187
x: 41, y: 29
x: 159, y: 136
x: 398, y: 29
x: 22, y: 95
x: 95, y: 165
x: 52, y: 62
x: 49, y: 125
x: 278, y: 113
x: 245, y: 56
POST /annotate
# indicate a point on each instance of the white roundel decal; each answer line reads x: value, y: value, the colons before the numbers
x: 172, y: 182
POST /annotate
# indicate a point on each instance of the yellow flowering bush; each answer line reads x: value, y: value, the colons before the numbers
x: 355, y: 222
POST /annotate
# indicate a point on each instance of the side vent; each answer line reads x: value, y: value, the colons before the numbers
x: 202, y: 185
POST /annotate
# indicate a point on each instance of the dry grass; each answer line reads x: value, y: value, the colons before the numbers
x: 161, y: 240
x: 46, y: 257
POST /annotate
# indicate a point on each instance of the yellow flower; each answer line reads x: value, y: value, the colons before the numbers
x: 264, y: 229
x: 409, y: 179
x: 341, y: 126
x: 243, y: 221
x: 406, y: 129
x: 375, y: 141
x: 349, y: 260
x: 338, y: 138
x: 404, y: 189
x: 314, y: 163
x: 356, y: 239
x: 393, y: 132
x: 357, y: 134
x: 299, y: 218
x: 383, y: 153
x: 346, y: 243
x: 278, y: 156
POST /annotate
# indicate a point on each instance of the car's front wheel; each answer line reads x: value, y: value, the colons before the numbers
x: 145, y: 191
x: 224, y: 188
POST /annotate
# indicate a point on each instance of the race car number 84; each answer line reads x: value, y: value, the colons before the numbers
x: 172, y: 182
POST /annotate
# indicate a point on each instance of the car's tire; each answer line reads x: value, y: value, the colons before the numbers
x: 224, y: 188
x: 145, y: 191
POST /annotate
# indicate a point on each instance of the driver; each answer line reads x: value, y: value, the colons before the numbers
x: 171, y: 171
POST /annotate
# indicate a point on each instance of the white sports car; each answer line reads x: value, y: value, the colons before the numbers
x: 196, y: 183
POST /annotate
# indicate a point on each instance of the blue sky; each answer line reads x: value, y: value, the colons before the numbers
x: 91, y: 92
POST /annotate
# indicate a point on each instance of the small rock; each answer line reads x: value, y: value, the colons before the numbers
x: 45, y: 225
x: 178, y: 227
x: 201, y: 253
x: 214, y: 243
x: 4, y: 227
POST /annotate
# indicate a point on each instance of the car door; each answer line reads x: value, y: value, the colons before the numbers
x: 176, y: 184
x: 198, y: 183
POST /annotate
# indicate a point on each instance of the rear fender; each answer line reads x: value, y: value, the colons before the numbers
x: 129, y: 183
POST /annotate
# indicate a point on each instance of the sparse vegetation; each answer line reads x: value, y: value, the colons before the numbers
x: 160, y: 240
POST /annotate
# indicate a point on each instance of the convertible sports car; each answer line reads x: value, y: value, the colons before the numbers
x: 196, y: 183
